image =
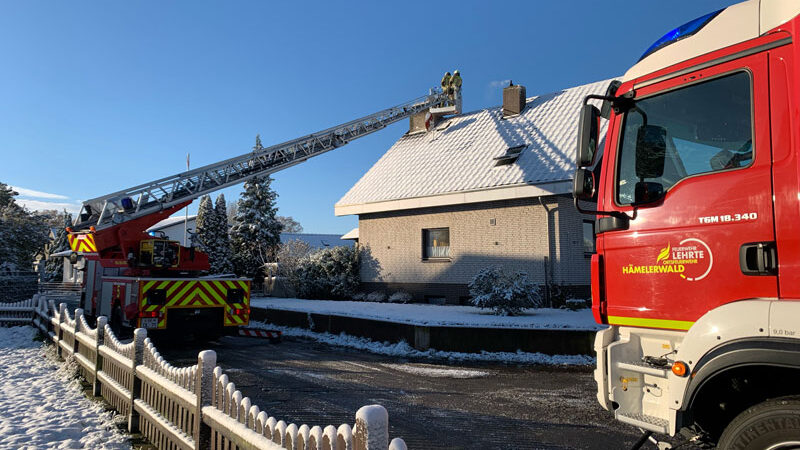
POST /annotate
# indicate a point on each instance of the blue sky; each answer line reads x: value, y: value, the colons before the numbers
x: 100, y: 96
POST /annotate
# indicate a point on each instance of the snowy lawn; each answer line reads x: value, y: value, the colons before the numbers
x: 42, y: 406
x: 435, y: 315
x: 403, y: 350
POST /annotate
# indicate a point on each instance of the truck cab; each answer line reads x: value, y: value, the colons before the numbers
x: 697, y: 194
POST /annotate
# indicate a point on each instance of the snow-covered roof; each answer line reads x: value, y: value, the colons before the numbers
x: 169, y: 221
x: 316, y: 240
x: 455, y: 162
x: 351, y: 235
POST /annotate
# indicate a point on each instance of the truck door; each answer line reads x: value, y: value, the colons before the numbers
x: 690, y: 161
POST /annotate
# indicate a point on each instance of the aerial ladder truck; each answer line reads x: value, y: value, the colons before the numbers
x: 697, y: 269
x: 139, y: 280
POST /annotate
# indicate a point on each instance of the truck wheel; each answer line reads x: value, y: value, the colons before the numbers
x: 772, y: 425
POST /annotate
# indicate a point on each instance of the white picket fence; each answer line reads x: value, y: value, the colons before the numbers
x: 194, y: 407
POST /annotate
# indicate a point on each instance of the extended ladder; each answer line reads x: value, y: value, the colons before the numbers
x: 122, y: 206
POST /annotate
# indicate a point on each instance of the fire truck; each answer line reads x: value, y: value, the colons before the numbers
x: 697, y: 196
x: 140, y: 280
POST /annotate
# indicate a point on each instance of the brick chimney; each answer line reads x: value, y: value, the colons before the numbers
x: 513, y: 99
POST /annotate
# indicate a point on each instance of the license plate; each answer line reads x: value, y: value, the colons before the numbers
x: 150, y: 323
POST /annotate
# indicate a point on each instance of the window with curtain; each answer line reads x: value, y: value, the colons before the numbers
x: 435, y: 243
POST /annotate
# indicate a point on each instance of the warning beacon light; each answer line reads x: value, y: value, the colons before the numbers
x: 682, y: 32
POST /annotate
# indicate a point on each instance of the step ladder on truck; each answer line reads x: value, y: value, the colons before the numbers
x: 140, y: 280
x: 697, y: 269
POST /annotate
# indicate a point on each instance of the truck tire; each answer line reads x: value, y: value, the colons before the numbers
x: 773, y: 424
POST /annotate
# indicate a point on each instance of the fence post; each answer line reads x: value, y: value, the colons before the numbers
x: 62, y: 312
x: 50, y: 307
x: 98, y: 360
x: 139, y: 335
x: 78, y: 314
x: 372, y: 428
x: 203, y: 389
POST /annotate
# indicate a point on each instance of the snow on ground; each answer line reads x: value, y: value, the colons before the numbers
x: 42, y: 406
x: 436, y: 315
x: 402, y: 349
x: 437, y: 372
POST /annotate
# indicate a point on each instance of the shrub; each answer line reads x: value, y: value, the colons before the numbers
x: 376, y: 296
x: 359, y: 297
x: 328, y: 273
x: 506, y: 294
x: 400, y: 297
x: 290, y: 256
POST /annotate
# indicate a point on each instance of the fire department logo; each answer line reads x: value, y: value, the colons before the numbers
x: 691, y: 259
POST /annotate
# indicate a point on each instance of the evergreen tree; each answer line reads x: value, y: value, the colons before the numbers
x: 54, y: 267
x: 223, y: 262
x: 256, y: 231
x: 7, y: 196
x: 22, y: 234
x: 204, y: 225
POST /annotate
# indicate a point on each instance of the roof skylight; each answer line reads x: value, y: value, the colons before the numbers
x: 510, y: 156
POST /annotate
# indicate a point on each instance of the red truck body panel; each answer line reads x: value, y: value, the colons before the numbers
x: 703, y: 219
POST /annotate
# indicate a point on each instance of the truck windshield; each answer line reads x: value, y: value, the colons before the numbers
x: 708, y: 128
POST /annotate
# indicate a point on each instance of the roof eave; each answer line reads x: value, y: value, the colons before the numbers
x: 458, y: 198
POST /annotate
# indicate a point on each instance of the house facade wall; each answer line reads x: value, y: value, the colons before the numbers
x: 543, y: 239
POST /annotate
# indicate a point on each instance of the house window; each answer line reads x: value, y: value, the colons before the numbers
x: 435, y: 243
x: 588, y: 236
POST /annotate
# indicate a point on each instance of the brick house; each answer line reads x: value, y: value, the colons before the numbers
x: 486, y: 188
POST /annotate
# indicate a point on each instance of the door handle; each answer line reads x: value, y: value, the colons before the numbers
x: 759, y: 258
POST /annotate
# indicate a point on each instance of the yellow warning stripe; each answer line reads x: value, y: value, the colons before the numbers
x: 650, y: 323
x: 82, y: 243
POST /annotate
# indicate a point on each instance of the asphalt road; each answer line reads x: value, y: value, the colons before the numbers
x: 431, y: 404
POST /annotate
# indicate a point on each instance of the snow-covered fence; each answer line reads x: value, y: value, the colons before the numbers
x: 167, y: 402
x: 18, y: 313
x: 117, y: 371
x: 189, y: 408
x: 68, y: 326
x: 87, y: 342
x: 235, y: 421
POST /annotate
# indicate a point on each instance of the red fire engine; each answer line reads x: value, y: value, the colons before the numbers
x: 139, y: 280
x: 697, y: 193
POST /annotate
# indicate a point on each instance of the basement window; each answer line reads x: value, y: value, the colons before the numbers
x: 436, y: 243
x: 588, y: 237
x: 510, y: 156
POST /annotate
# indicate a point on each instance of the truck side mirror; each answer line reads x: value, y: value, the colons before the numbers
x: 651, y: 151
x: 588, y: 130
x: 583, y: 184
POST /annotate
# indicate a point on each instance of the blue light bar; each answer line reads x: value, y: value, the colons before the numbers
x: 682, y: 32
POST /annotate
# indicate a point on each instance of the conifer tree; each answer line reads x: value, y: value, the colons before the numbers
x: 22, y: 234
x: 223, y: 262
x: 256, y: 231
x: 204, y: 224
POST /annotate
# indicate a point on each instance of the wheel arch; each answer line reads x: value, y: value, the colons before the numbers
x: 757, y: 361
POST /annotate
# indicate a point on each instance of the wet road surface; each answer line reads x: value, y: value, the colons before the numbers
x: 432, y: 404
